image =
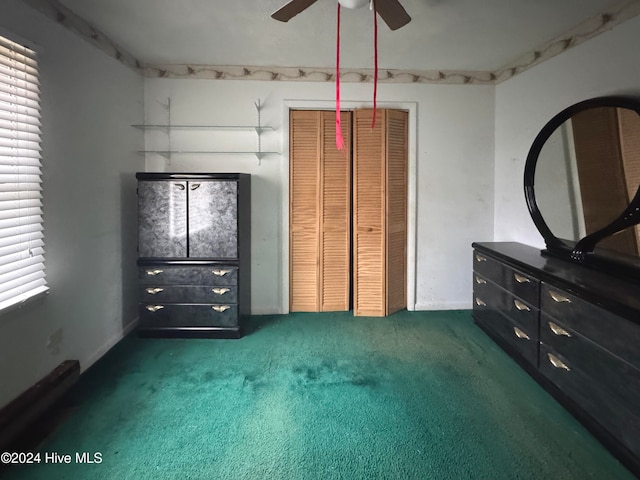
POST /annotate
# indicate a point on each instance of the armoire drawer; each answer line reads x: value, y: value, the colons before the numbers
x: 158, y: 315
x: 189, y: 294
x: 520, y: 284
x: 592, y: 398
x: 520, y: 313
x: 620, y: 379
x: 214, y: 275
x: 615, y: 334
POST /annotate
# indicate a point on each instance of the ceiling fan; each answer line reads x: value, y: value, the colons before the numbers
x: 391, y: 11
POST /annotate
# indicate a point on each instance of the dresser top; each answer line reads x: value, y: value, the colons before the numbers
x: 621, y: 296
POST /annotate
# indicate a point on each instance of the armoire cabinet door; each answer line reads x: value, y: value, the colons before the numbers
x: 162, y: 218
x: 188, y: 219
x: 319, y: 212
x: 213, y: 214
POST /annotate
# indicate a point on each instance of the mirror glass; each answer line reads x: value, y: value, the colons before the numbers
x: 587, y: 172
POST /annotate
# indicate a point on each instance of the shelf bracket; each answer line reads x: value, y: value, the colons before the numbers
x: 259, y: 130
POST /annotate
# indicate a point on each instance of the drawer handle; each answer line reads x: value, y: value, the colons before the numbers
x: 558, y: 330
x: 154, y: 308
x: 480, y: 258
x: 221, y: 308
x: 154, y: 291
x: 556, y: 362
x: 521, y: 306
x: 155, y: 272
x: 480, y: 303
x: 559, y: 298
x: 194, y: 186
x: 480, y: 281
x: 220, y: 291
x: 180, y: 186
x: 520, y: 334
x: 220, y: 273
x: 521, y: 278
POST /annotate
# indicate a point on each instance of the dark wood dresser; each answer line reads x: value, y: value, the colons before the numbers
x: 574, y: 329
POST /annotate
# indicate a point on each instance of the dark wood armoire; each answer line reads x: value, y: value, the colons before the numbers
x: 194, y: 253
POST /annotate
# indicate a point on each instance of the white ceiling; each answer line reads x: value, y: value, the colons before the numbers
x: 480, y: 35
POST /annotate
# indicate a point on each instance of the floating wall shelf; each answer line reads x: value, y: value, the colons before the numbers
x: 243, y: 128
x: 259, y: 129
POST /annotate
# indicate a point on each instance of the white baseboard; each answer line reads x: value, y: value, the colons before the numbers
x: 444, y: 306
x: 109, y: 344
x: 268, y: 311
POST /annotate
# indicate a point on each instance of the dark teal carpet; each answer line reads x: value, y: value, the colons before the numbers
x: 422, y: 395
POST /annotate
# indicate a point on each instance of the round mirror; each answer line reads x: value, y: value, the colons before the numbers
x: 582, y: 176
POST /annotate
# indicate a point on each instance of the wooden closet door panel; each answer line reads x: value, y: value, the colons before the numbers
x: 601, y: 174
x: 304, y: 279
x: 335, y: 215
x: 369, y: 214
x: 629, y: 122
x: 396, y: 209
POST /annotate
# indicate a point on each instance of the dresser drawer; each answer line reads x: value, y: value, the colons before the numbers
x: 617, y: 377
x: 188, y: 275
x: 615, y: 334
x: 158, y: 315
x: 521, y: 314
x: 520, y: 284
x: 510, y: 333
x: 615, y: 416
x: 188, y: 294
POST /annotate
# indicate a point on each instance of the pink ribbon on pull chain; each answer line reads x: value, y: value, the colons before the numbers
x: 375, y: 57
x: 339, y: 139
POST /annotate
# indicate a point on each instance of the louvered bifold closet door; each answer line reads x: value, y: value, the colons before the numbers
x: 629, y: 122
x: 319, y: 213
x: 368, y: 215
x: 335, y: 218
x: 396, y: 168
x: 379, y: 213
x: 304, y: 169
x: 598, y: 153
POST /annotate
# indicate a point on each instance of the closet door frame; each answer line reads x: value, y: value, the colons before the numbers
x: 412, y: 181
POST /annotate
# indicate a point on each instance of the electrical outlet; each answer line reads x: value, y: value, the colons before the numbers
x: 55, y: 342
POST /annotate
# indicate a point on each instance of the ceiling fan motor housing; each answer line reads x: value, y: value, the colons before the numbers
x: 353, y: 3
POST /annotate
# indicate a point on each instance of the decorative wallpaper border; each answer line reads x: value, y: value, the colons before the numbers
x: 583, y: 32
x: 76, y: 24
x: 295, y: 74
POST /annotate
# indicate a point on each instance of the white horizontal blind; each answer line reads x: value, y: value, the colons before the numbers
x: 21, y: 232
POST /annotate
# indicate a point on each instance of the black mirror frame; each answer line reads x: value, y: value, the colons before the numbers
x: 582, y: 251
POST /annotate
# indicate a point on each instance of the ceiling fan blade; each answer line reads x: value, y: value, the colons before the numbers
x: 393, y: 14
x: 291, y: 9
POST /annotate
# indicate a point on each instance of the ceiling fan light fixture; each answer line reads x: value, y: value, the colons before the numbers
x: 353, y: 4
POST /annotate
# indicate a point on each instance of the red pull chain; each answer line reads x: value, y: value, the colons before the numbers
x: 375, y: 57
x: 339, y: 139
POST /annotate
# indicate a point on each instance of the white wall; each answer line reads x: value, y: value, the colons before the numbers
x: 452, y: 151
x: 89, y: 101
x: 605, y: 65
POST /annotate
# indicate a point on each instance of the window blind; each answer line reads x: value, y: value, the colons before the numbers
x: 22, y: 273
